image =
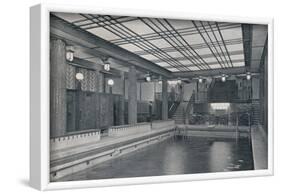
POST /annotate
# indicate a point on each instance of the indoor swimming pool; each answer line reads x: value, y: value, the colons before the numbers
x: 175, y: 156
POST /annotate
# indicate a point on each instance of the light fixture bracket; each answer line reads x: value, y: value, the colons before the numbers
x: 69, y: 54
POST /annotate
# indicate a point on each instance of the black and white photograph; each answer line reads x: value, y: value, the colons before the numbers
x: 142, y: 97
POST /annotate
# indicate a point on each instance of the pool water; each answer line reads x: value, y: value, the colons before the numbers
x: 175, y: 156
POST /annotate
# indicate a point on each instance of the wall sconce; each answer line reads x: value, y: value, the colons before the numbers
x: 160, y: 80
x: 106, y: 65
x: 79, y: 76
x: 223, y: 78
x: 200, y: 80
x: 110, y: 82
x: 69, y: 53
x: 248, y: 76
x: 148, y: 78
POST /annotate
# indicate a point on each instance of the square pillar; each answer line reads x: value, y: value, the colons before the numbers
x: 57, y: 88
x: 164, y: 99
x: 132, y: 96
x: 100, y: 82
x: 122, y: 101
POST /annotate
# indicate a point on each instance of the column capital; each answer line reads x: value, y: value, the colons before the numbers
x: 58, y: 40
x: 132, y: 67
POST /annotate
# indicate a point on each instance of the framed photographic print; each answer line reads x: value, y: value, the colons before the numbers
x: 130, y: 97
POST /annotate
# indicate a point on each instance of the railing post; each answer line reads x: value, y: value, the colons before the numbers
x: 250, y: 128
x: 237, y: 123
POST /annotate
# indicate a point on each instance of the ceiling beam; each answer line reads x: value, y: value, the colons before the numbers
x: 205, y: 56
x: 112, y: 61
x: 247, y: 31
x: 264, y: 53
x: 66, y: 30
x: 214, y: 72
x: 82, y: 63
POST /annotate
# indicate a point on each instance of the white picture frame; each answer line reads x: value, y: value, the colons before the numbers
x: 39, y: 102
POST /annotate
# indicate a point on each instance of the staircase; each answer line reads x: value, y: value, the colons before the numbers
x: 179, y: 115
x: 172, y: 108
x: 183, y: 110
x: 255, y: 112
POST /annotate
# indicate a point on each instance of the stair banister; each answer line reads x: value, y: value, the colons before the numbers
x: 190, y: 102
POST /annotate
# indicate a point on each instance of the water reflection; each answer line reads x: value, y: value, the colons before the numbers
x: 175, y: 156
x: 220, y: 156
x: 174, y: 159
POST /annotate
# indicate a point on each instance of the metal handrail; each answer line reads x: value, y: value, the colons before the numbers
x: 190, y: 102
x: 237, y: 124
x: 177, y: 99
x: 174, y: 106
x: 75, y: 133
x: 249, y: 125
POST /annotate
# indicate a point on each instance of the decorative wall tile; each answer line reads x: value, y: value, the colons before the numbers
x: 84, y: 81
x: 100, y: 82
x: 93, y: 81
x: 70, y: 77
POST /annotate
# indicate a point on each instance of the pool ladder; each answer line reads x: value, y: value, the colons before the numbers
x: 237, y: 127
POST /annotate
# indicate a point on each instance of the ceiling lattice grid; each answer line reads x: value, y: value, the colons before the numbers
x: 177, y: 45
